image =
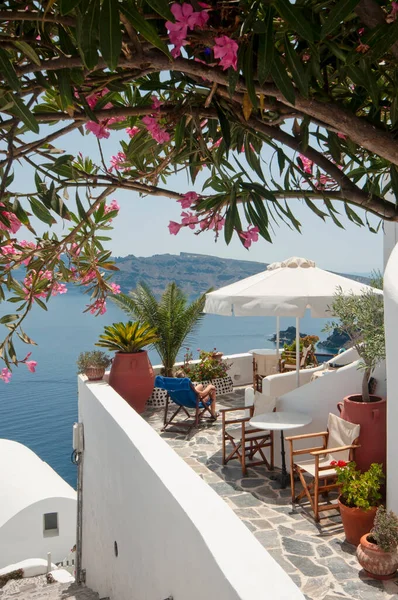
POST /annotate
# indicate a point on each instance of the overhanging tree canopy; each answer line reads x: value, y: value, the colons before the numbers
x: 195, y: 86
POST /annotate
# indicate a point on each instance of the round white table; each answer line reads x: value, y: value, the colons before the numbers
x: 279, y: 421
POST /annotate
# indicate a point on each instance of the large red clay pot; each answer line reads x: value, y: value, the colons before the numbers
x: 377, y: 563
x: 371, y: 416
x: 133, y: 378
x: 356, y: 522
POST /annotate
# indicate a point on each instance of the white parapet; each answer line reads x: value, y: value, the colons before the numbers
x: 152, y: 528
x: 391, y: 329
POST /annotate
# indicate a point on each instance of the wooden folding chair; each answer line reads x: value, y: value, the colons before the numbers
x: 182, y: 393
x: 339, y: 443
x: 247, y: 443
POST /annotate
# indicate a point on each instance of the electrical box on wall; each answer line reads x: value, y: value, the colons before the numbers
x: 78, y: 438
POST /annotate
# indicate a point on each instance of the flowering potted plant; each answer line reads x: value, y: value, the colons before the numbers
x: 359, y: 497
x: 209, y: 369
x: 377, y: 551
x: 93, y: 364
x: 131, y: 373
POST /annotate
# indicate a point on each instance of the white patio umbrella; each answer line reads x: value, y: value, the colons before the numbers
x: 284, y: 289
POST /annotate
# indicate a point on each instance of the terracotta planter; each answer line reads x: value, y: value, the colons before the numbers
x: 377, y: 563
x: 356, y: 522
x: 94, y: 373
x: 133, y: 378
x: 371, y: 416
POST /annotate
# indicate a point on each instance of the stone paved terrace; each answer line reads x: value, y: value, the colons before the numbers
x: 37, y: 588
x: 315, y: 556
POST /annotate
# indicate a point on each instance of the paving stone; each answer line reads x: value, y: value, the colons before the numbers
x: 261, y: 524
x: 324, y: 550
x: 249, y: 525
x: 284, y: 530
x: 316, y: 587
x: 339, y: 568
x: 293, y: 546
x: 307, y: 566
x: 295, y: 577
x: 246, y: 500
x: 268, y: 538
x: 361, y: 590
x: 251, y: 482
x: 246, y: 513
x: 278, y: 556
x: 223, y: 489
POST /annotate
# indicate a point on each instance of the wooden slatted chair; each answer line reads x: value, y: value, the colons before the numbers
x: 339, y: 443
x: 246, y: 443
x: 304, y: 357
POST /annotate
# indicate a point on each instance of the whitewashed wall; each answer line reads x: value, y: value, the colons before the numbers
x: 391, y: 329
x: 175, y: 535
x: 241, y: 370
x: 22, y: 536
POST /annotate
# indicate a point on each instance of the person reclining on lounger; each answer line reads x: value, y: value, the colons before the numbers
x: 205, y: 393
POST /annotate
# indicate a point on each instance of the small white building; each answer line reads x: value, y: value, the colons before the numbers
x: 37, y: 507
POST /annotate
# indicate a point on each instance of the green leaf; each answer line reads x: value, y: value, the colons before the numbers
x: 249, y: 75
x: 20, y: 213
x: 296, y: 68
x: 22, y: 112
x: 28, y: 51
x: 352, y: 215
x: 282, y: 80
x: 265, y: 52
x: 87, y: 34
x: 224, y: 124
x: 162, y: 8
x: 293, y: 15
x: 66, y: 6
x: 65, y: 88
x: 110, y: 33
x: 179, y: 133
x: 8, y: 70
x: 338, y: 14
x: 40, y: 211
x: 394, y: 181
x: 80, y: 208
x: 230, y: 217
x: 9, y: 319
x: 144, y: 27
x: 383, y: 39
x: 315, y: 209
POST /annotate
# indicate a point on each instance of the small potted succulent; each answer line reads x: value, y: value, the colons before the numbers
x: 131, y: 373
x: 359, y: 497
x: 93, y: 364
x: 377, y: 551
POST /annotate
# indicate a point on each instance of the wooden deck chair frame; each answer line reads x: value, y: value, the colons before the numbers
x: 321, y: 485
x: 199, y: 414
x: 251, y: 441
x: 292, y: 366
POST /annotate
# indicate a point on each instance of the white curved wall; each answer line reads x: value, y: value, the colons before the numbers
x: 391, y: 329
x: 175, y: 536
x: 21, y: 537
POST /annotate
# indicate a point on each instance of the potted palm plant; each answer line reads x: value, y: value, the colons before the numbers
x: 93, y: 364
x: 131, y: 373
x: 362, y: 319
x: 173, y: 318
x: 359, y: 497
x: 377, y: 551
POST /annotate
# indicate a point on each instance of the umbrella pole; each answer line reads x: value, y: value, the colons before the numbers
x: 277, y: 338
x: 298, y: 351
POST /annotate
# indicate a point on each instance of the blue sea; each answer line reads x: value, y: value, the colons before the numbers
x: 39, y: 409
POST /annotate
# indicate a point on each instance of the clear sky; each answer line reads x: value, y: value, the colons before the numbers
x: 141, y: 228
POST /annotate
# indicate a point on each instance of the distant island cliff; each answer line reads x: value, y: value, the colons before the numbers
x: 194, y: 273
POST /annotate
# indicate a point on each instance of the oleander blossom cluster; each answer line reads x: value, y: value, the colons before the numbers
x: 39, y: 285
x: 101, y: 129
x: 321, y: 181
x: 185, y: 19
x: 208, y: 221
x: 152, y: 123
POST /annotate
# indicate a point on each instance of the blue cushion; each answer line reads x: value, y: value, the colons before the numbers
x: 179, y: 389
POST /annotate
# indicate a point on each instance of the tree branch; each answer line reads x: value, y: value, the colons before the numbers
x: 371, y: 15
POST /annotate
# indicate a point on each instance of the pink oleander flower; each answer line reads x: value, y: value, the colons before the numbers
x: 89, y: 276
x: 111, y: 207
x: 98, y: 129
x: 115, y: 288
x: 189, y: 219
x: 156, y: 103
x: 6, y: 375
x: 306, y: 56
x: 361, y: 31
x: 74, y: 249
x: 117, y: 162
x: 93, y: 98
x: 156, y: 131
x: 226, y: 50
x: 217, y: 143
x: 188, y: 199
x: 342, y: 136
x: 115, y: 120
x: 9, y: 250
x: 15, y: 223
x: 132, y: 131
x: 58, y: 288
x: 99, y: 306
x: 31, y: 364
x: 174, y: 227
x: 217, y: 223
x: 30, y: 245
x: 307, y: 163
x: 186, y: 19
x: 251, y: 235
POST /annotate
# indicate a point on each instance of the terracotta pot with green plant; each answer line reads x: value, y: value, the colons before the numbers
x: 359, y: 498
x: 362, y: 319
x: 131, y: 373
x: 93, y: 364
x: 377, y: 551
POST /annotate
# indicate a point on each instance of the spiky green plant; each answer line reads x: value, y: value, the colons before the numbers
x: 172, y: 317
x: 127, y: 337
